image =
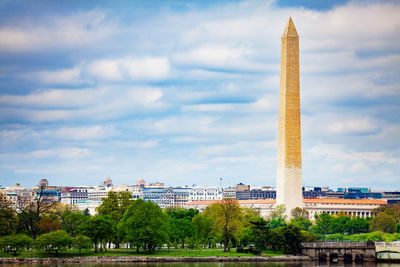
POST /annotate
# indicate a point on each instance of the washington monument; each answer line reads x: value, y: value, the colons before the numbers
x: 289, y: 177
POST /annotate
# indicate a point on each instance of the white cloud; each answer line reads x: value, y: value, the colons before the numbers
x: 136, y: 144
x: 67, y: 76
x: 261, y: 105
x: 337, y: 152
x: 67, y: 153
x: 105, y: 69
x: 144, y: 68
x: 220, y: 57
x: 360, y: 126
x: 77, y: 30
x: 188, y: 139
x: 149, y: 68
x: 99, y: 104
x: 63, y: 153
x: 238, y: 160
x: 56, y: 98
x: 96, y: 132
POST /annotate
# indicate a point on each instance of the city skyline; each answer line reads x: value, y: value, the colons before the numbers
x: 187, y: 92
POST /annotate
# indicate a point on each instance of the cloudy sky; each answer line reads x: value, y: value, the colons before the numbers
x: 186, y: 92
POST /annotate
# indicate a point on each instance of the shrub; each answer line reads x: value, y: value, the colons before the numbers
x: 251, y: 249
x: 82, y: 241
x: 239, y: 249
x: 257, y: 251
x: 14, y: 243
x: 54, y: 241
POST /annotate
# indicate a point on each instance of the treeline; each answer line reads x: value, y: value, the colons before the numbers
x: 143, y: 226
x: 384, y: 226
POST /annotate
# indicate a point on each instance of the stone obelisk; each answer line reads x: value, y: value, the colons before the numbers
x: 289, y: 177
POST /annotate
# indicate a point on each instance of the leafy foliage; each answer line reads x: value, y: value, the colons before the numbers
x: 144, y: 225
x: 299, y: 212
x: 14, y: 243
x: 8, y: 221
x: 72, y: 221
x: 227, y: 217
x: 384, y: 222
x: 180, y: 224
x: 54, y: 241
x: 202, y: 229
x: 327, y: 224
x: 301, y: 222
x: 48, y: 223
x: 115, y: 205
x: 98, y: 228
x: 82, y: 241
x: 261, y: 233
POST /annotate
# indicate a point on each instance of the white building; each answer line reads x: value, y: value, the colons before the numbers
x: 206, y: 193
x: 73, y: 195
x: 17, y: 195
x: 92, y: 196
x: 353, y: 207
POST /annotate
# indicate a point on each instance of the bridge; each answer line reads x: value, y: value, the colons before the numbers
x: 388, y: 251
x: 340, y: 251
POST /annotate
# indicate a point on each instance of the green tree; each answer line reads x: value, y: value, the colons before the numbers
x: 82, y: 241
x: 227, y: 217
x: 71, y: 221
x: 144, y: 224
x: 14, y: 243
x: 115, y: 205
x: 86, y: 212
x: 30, y: 212
x: 246, y: 236
x: 277, y: 223
x: 261, y: 233
x: 99, y: 229
x: 322, y: 224
x: 308, y: 236
x: 292, y: 239
x: 8, y: 221
x: 299, y: 212
x: 48, y: 223
x: 376, y: 236
x: 180, y: 230
x: 54, y: 241
x: 301, y: 222
x: 339, y: 224
x: 276, y: 239
x: 357, y: 225
x: 180, y: 224
x: 383, y: 222
x: 278, y: 213
x: 202, y: 228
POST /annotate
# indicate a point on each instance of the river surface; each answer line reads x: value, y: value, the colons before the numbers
x: 206, y: 264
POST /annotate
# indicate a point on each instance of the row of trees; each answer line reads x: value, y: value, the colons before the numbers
x: 51, y: 242
x: 387, y: 219
x: 145, y: 225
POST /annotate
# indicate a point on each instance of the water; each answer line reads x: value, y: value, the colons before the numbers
x: 219, y: 264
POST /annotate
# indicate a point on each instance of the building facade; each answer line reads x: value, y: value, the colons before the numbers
x: 353, y: 207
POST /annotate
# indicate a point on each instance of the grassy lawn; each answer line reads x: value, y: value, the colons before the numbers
x: 127, y: 252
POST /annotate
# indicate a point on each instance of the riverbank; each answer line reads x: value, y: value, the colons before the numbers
x: 136, y: 259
